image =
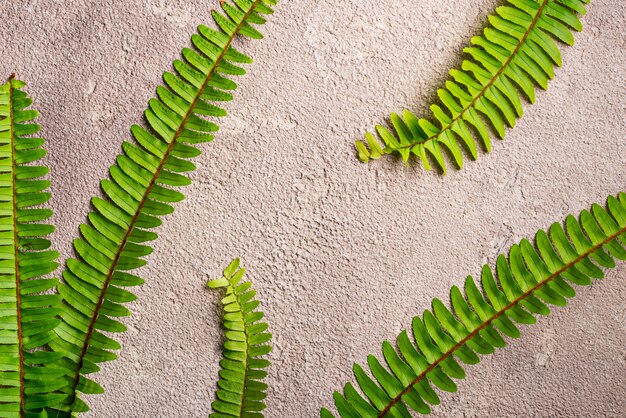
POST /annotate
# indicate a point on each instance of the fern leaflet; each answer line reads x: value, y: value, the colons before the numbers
x: 139, y: 192
x: 532, y: 278
x: 515, y: 53
x: 240, y: 390
x: 27, y: 318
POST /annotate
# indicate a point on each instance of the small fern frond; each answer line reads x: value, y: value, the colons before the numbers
x: 515, y: 53
x: 27, y: 318
x: 240, y: 390
x: 533, y: 277
x: 140, y: 191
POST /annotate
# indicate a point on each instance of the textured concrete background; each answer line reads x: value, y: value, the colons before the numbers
x: 343, y: 254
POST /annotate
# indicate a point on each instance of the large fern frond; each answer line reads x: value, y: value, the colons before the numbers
x: 140, y: 191
x: 523, y: 285
x: 240, y: 390
x: 27, y: 318
x: 516, y: 53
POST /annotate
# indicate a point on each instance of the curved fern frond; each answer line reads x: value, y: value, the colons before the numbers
x: 27, y: 318
x: 533, y: 277
x: 516, y: 53
x: 240, y: 390
x: 140, y: 190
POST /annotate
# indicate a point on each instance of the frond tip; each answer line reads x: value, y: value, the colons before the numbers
x: 240, y: 388
x: 524, y: 284
x: 515, y: 53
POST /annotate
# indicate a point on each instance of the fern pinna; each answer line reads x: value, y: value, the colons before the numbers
x: 532, y: 278
x: 240, y: 390
x: 27, y: 318
x: 514, y: 54
x: 140, y: 191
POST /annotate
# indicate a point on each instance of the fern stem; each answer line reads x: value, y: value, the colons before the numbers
x: 18, y: 299
x: 151, y: 184
x: 246, y: 369
x: 489, y: 84
x: 485, y: 324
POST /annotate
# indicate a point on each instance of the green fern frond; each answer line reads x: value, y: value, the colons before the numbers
x: 240, y: 390
x: 523, y: 285
x: 515, y: 53
x: 27, y: 318
x: 140, y: 190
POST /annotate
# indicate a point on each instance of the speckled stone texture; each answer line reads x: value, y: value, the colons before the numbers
x: 343, y: 254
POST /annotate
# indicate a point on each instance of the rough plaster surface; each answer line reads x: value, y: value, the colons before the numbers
x: 343, y: 254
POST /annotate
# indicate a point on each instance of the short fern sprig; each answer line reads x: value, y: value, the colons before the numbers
x: 27, y: 318
x: 140, y: 191
x: 532, y: 278
x: 516, y: 52
x: 240, y: 390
